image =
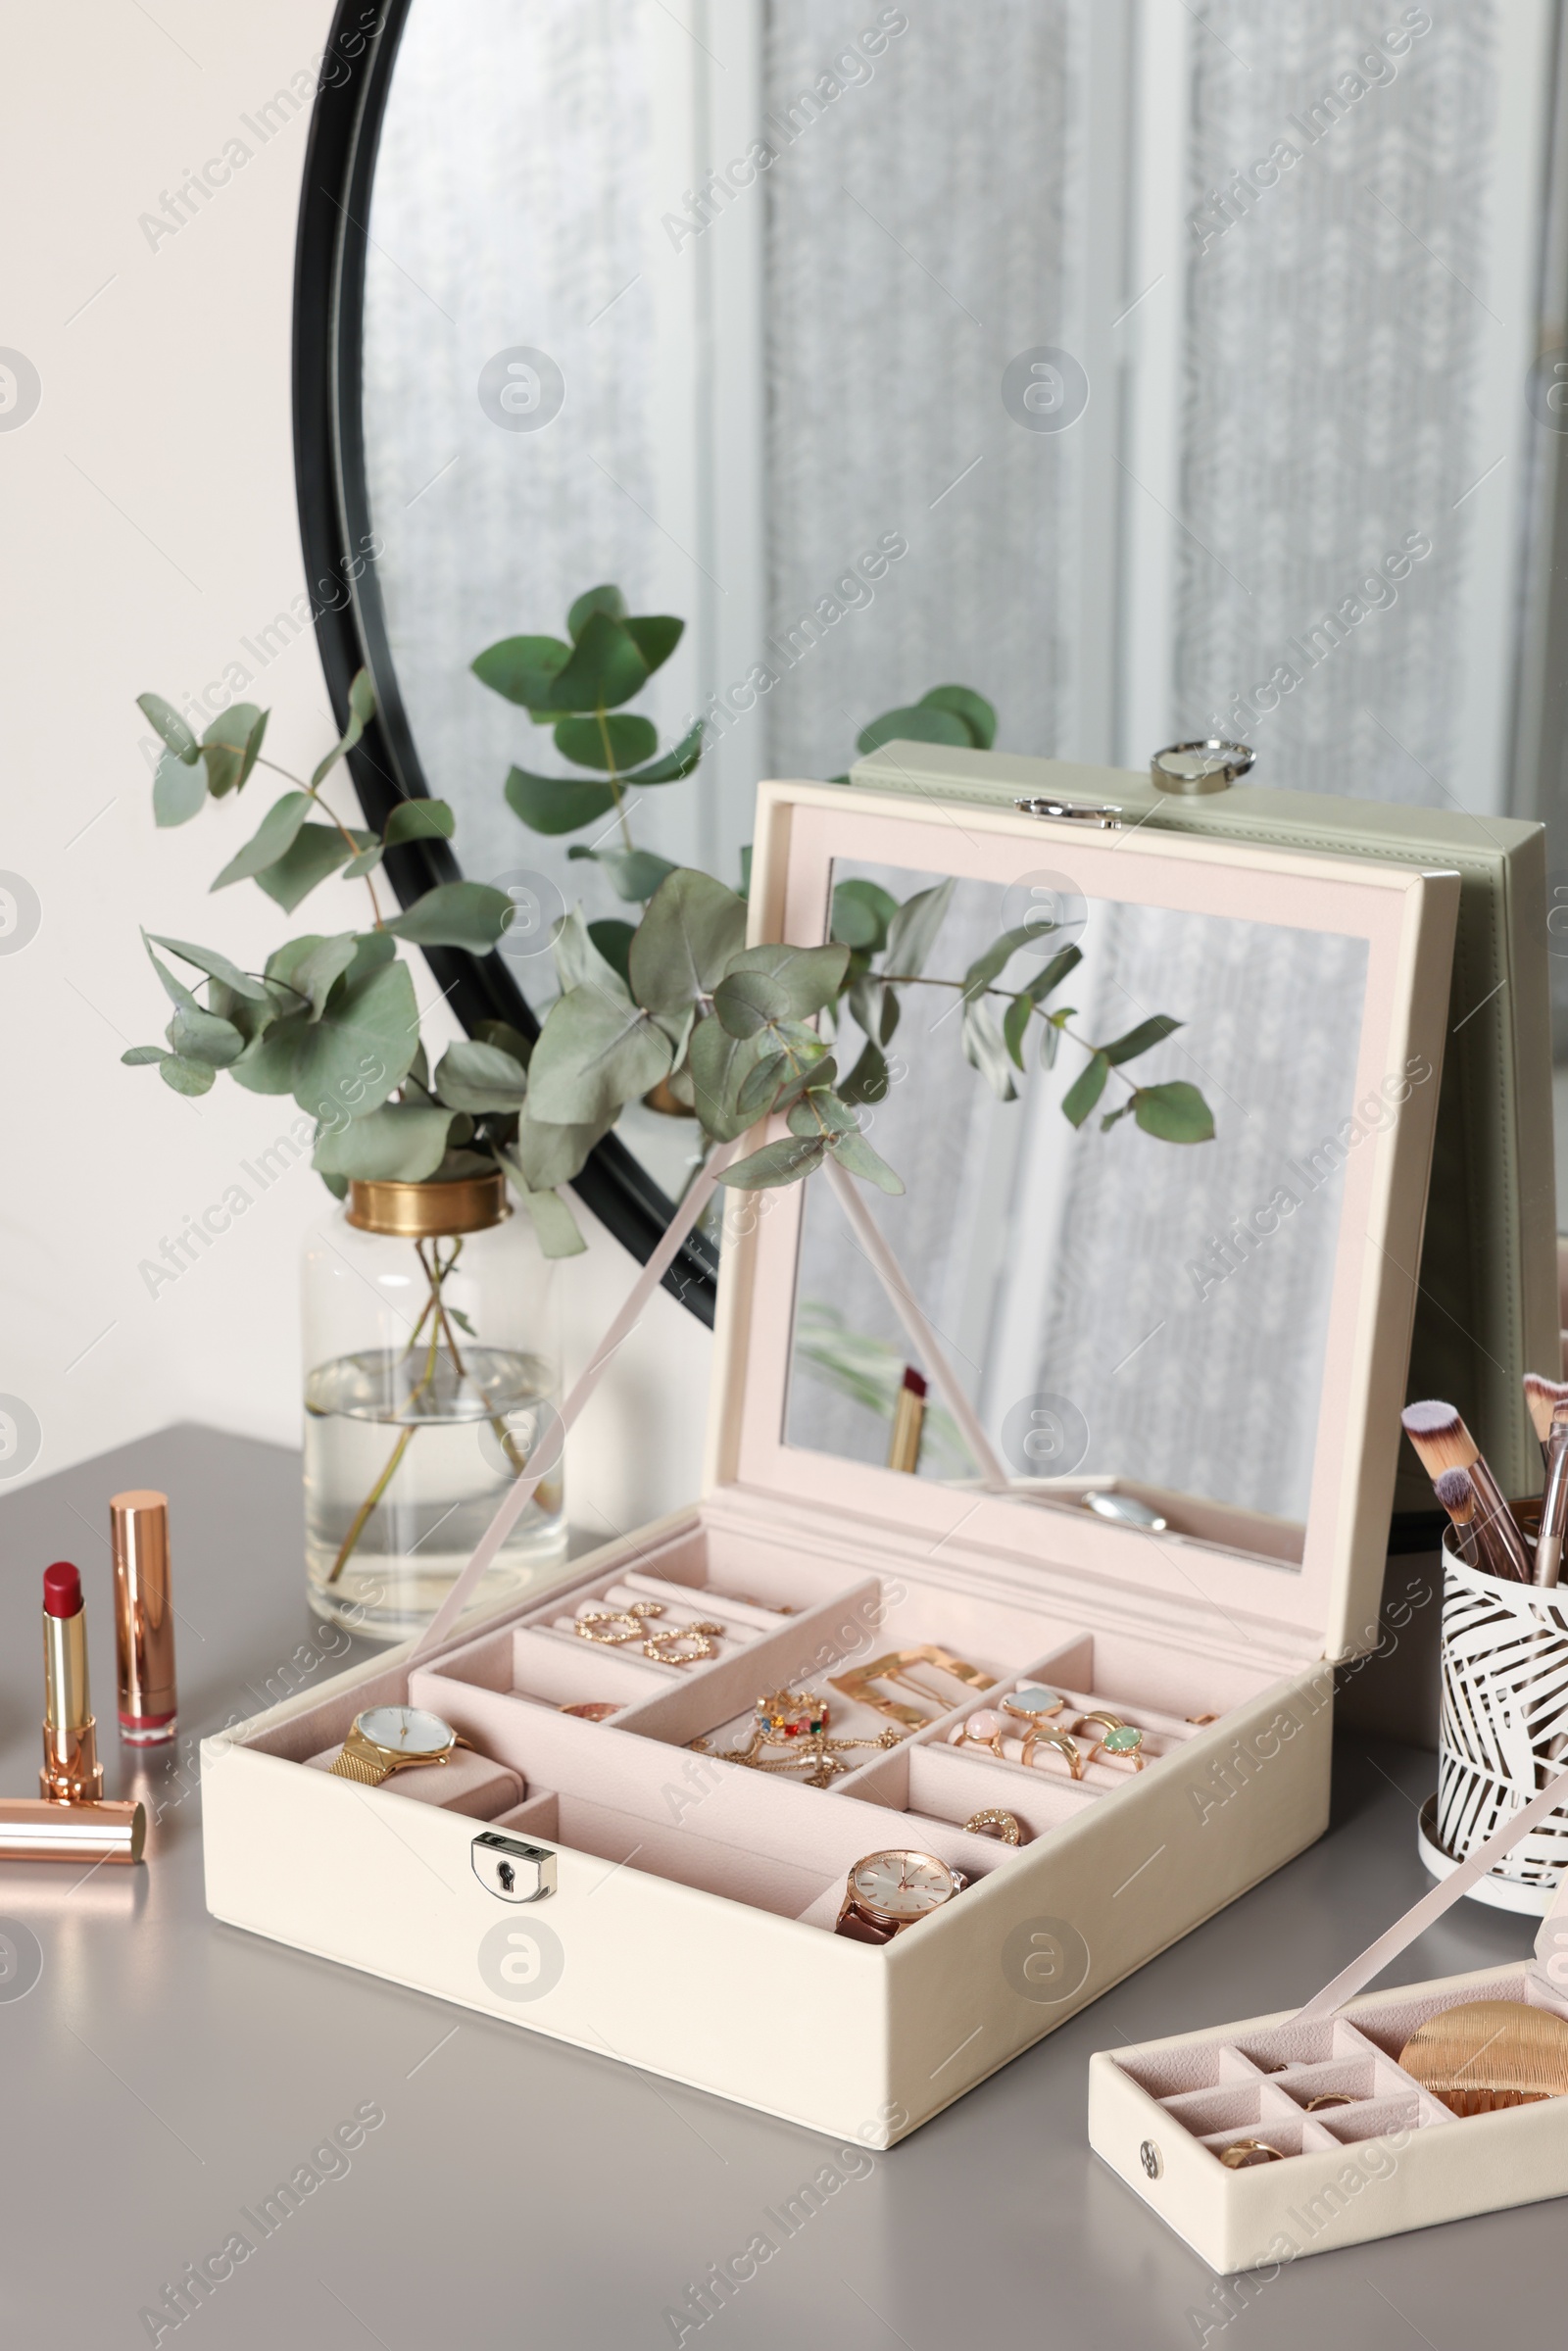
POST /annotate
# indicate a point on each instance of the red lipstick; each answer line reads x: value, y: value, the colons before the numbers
x: 72, y: 1772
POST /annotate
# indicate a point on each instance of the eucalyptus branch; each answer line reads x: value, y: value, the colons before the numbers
x: 314, y: 792
x: 613, y: 774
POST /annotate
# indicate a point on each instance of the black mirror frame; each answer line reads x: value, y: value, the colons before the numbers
x: 336, y: 536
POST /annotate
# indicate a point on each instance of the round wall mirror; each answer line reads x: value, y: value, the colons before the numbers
x: 1098, y: 379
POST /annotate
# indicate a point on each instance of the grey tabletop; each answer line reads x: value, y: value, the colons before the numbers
x: 164, y: 2073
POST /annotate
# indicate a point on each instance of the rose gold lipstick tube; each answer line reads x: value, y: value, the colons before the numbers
x: 37, y: 1830
x: 144, y: 1617
x: 72, y: 1772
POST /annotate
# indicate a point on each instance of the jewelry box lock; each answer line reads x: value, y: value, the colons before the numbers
x: 511, y: 1870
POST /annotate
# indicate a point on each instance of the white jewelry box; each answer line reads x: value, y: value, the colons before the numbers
x: 689, y: 1929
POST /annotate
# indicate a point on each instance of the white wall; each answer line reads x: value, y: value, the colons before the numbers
x: 147, y: 512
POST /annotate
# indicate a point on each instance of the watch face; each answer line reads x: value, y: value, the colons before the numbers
x: 902, y: 1886
x: 406, y: 1730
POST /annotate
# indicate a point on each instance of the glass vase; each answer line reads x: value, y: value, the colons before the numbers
x: 432, y: 1366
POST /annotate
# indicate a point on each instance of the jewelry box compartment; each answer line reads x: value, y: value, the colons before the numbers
x: 1260, y: 2087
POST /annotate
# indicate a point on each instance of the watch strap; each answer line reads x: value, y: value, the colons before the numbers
x: 362, y: 1763
x: 854, y: 1922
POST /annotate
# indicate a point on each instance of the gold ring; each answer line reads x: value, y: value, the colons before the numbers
x: 1111, y: 1722
x: 1329, y: 2097
x: 595, y: 1623
x: 1002, y: 1826
x: 1122, y: 1746
x: 1064, y: 1746
x: 1243, y: 2153
x: 1046, y: 1702
x: 594, y: 1710
x: 983, y: 1729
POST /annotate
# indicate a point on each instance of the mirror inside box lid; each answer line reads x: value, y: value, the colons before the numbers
x: 1122, y: 1143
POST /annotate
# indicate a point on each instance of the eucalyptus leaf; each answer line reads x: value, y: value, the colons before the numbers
x: 1139, y: 1040
x: 720, y: 1067
x: 606, y: 743
x: 400, y: 1143
x: 267, y: 1066
x: 471, y: 1076
x: 985, y: 1050
x: 692, y: 931
x: 819, y: 1110
x: 167, y: 724
x: 607, y: 600
x: 578, y: 962
x: 555, y: 1226
x: 614, y: 939
x: 998, y: 955
x: 1086, y: 1090
x: 867, y: 1081
x: 785, y: 1161
x: 634, y: 873
x: 362, y: 710
x: 216, y: 966
x: 186, y: 1077
x: 672, y: 764
x: 174, y: 989
x: 912, y: 930
x: 523, y: 668
x: 362, y: 1047
x: 230, y: 746
x: 1050, y: 1044
x: 655, y: 636
x: 1015, y: 1026
x: 273, y: 840
x: 1176, y: 1114
x: 179, y: 790
x: 1047, y: 980
x: 762, y: 1087
x: 318, y: 851
x: 976, y: 713
x: 778, y: 983
x: 366, y: 863
x: 467, y: 914
x: 861, y: 912
x: 915, y: 724
x: 556, y: 804
x: 607, y: 668
x: 489, y: 1032
x: 595, y: 1052
x: 139, y: 1055
x: 854, y: 1152
x: 550, y: 1156
x: 419, y: 821
x: 310, y: 965
x: 199, y: 1036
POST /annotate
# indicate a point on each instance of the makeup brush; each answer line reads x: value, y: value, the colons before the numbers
x: 1458, y: 1496
x: 1541, y: 1399
x: 1555, y: 1501
x: 1442, y: 1442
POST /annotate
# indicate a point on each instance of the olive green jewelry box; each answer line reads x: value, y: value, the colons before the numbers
x: 673, y: 1910
x: 1488, y: 1310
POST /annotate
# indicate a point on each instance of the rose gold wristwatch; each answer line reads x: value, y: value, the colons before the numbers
x: 889, y: 1891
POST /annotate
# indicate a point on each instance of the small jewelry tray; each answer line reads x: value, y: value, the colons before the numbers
x: 1219, y: 2131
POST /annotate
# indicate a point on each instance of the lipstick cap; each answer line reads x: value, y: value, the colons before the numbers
x: 45, y: 1832
x: 144, y: 1617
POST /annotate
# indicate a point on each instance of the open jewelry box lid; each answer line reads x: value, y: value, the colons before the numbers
x: 1297, y: 1587
x: 1487, y: 1310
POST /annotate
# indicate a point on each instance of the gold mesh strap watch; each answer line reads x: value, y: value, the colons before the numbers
x: 392, y: 1738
